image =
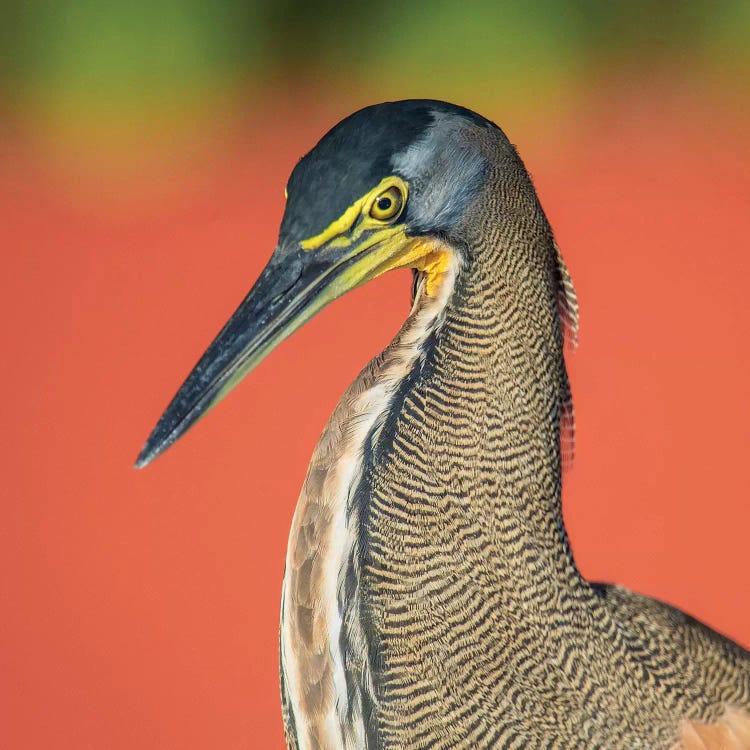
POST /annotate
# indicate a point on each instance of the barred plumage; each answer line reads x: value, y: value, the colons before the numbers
x: 481, y: 632
x: 430, y: 596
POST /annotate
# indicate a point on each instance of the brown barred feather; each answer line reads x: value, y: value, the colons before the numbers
x: 567, y: 300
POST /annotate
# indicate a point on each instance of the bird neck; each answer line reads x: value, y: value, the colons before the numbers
x: 500, y: 357
x: 473, y: 434
x: 441, y: 463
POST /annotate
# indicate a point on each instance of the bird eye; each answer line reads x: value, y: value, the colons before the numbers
x: 387, y: 205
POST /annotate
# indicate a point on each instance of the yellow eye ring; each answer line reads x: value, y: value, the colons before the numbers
x: 388, y: 205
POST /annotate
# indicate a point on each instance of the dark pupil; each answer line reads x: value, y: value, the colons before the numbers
x: 384, y: 203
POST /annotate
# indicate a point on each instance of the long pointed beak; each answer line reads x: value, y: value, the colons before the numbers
x: 292, y: 288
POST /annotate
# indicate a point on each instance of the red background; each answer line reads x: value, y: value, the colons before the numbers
x: 140, y: 609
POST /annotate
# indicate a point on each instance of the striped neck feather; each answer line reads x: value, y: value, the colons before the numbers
x: 323, y: 698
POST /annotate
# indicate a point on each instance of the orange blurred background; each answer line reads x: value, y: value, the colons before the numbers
x: 141, y: 196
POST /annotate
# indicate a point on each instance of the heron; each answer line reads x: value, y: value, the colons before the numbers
x: 430, y: 596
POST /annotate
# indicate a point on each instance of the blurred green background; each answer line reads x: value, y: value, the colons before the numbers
x: 87, y: 65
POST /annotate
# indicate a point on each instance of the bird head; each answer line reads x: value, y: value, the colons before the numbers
x: 388, y: 187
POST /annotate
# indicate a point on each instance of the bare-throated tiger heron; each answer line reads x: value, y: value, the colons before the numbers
x: 430, y: 597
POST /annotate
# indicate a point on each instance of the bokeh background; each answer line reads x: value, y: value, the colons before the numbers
x: 144, y: 148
